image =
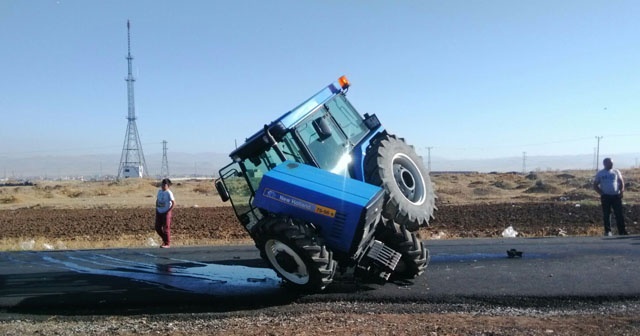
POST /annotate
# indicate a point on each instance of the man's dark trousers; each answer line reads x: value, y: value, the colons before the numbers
x: 612, y: 202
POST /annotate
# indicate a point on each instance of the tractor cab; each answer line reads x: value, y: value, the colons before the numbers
x: 325, y: 131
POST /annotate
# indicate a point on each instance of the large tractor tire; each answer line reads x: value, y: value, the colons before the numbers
x: 296, y: 254
x: 395, y: 166
x: 415, y: 257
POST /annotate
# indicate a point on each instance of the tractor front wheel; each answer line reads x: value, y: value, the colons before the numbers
x: 296, y: 254
x: 415, y: 257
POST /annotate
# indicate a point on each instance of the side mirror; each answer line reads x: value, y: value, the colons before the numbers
x: 371, y: 121
x: 321, y: 127
x: 222, y: 190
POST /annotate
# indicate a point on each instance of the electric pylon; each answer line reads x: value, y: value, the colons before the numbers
x: 132, y: 163
x: 164, y: 170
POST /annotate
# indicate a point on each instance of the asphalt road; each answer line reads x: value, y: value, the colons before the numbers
x: 227, y: 278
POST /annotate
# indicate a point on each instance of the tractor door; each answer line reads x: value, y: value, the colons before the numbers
x: 348, y: 119
x: 238, y: 187
x: 331, y: 132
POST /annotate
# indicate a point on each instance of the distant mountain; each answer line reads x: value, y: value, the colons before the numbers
x: 89, y: 166
x: 532, y: 163
x: 208, y: 164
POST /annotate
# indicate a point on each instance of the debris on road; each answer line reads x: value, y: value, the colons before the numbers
x: 509, y: 232
x: 513, y: 253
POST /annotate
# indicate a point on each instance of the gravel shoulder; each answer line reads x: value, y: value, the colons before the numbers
x: 352, y: 318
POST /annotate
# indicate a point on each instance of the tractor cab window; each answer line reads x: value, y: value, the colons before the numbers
x: 348, y: 118
x: 327, y: 145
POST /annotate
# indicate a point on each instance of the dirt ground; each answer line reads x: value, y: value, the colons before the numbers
x: 98, y: 214
x: 72, y: 214
x: 218, y: 225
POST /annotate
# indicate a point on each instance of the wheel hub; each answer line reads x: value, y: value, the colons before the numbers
x: 287, y: 262
x: 408, y: 178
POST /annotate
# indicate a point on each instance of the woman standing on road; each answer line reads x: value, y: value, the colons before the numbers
x: 164, y: 204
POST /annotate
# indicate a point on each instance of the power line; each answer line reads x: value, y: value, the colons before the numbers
x: 69, y: 149
x: 512, y: 145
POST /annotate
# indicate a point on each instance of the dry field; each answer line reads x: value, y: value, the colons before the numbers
x: 72, y: 214
x: 76, y: 214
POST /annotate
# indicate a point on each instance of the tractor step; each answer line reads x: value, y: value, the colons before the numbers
x: 383, y: 256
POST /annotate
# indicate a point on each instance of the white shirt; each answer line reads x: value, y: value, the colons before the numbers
x: 163, y: 201
x: 608, y: 180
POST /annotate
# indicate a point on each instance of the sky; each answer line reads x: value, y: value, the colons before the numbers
x: 469, y: 79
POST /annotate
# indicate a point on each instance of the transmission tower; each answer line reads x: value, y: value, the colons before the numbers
x: 132, y: 163
x: 164, y: 170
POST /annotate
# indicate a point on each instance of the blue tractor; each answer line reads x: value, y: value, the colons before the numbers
x: 323, y: 189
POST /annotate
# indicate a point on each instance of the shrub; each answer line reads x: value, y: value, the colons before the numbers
x: 541, y: 187
x: 72, y: 193
x: 9, y: 199
x: 203, y: 188
x: 508, y: 185
x: 102, y: 192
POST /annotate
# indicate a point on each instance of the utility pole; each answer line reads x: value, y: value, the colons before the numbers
x: 524, y: 162
x: 598, y: 152
x: 429, y: 159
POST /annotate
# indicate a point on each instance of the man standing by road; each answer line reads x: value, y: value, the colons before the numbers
x: 610, y: 185
x: 164, y: 204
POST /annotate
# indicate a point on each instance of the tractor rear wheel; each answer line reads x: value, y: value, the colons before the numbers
x: 415, y: 257
x: 296, y: 254
x: 395, y: 166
